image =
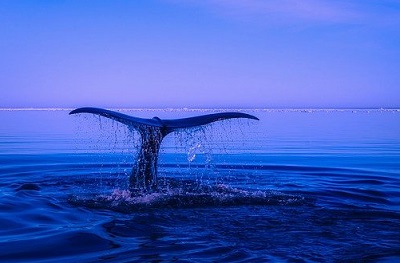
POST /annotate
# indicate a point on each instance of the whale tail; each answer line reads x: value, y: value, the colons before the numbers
x: 153, y: 131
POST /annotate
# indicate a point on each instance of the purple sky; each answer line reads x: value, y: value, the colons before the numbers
x: 200, y: 53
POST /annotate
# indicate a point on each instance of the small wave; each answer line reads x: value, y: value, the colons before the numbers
x: 63, y: 247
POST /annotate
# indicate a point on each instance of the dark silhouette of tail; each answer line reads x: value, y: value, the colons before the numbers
x: 153, y: 131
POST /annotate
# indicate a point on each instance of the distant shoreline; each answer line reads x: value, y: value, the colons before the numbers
x: 309, y: 110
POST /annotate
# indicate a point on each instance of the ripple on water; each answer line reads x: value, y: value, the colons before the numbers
x: 58, y: 246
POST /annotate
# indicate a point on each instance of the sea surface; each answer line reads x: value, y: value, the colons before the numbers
x: 295, y: 186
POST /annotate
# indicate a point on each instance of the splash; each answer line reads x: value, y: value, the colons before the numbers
x: 187, y: 195
x: 205, y: 188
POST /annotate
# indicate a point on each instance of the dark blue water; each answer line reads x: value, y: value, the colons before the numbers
x: 297, y: 186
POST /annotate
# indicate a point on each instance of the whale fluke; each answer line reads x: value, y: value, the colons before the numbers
x: 152, y: 131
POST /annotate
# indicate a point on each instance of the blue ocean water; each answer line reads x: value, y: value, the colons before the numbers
x: 296, y: 186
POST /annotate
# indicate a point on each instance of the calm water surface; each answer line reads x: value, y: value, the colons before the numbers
x: 296, y: 186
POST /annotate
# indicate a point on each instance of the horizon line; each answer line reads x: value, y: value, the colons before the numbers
x: 210, y: 109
